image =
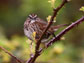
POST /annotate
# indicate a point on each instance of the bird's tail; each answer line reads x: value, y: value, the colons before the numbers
x: 55, y: 28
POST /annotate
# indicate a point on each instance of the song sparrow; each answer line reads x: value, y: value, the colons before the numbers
x: 35, y: 24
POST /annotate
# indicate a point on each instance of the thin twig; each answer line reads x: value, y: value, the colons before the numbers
x: 37, y: 53
x: 10, y: 54
x: 58, y: 36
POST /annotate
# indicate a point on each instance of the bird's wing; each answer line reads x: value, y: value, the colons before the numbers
x: 41, y: 21
x: 55, y: 28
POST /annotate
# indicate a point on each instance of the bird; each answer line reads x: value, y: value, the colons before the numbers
x: 35, y: 24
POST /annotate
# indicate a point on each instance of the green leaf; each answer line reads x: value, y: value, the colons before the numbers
x: 82, y: 8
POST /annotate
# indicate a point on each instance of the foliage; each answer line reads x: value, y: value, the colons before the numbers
x: 82, y: 8
x: 57, y: 53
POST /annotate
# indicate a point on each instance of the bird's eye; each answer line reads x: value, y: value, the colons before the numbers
x: 30, y: 16
x: 35, y: 16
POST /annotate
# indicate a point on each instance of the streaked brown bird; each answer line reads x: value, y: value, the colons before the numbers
x: 35, y: 24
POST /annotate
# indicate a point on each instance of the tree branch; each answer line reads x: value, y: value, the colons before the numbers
x: 10, y: 54
x: 37, y: 53
x: 58, y: 36
x: 50, y: 23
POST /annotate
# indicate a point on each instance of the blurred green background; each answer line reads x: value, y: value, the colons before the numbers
x: 13, y: 13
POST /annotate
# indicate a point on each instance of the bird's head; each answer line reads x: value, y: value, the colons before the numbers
x: 32, y: 17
